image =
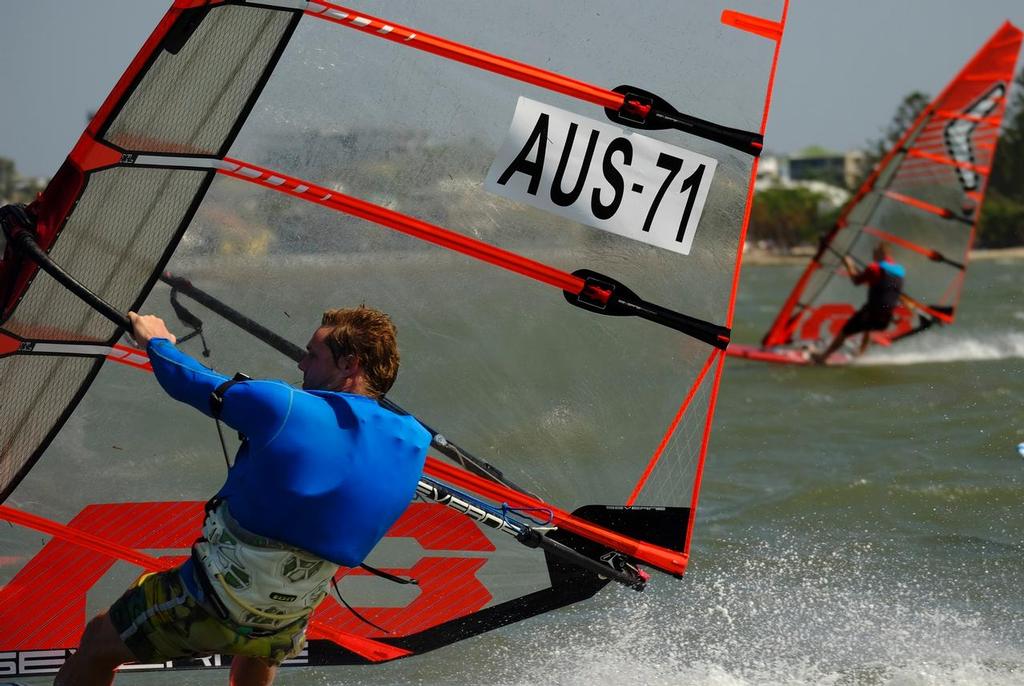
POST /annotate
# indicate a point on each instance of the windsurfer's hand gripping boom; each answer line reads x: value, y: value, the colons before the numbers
x: 148, y: 326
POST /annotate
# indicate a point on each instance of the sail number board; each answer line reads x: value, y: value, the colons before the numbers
x: 600, y: 175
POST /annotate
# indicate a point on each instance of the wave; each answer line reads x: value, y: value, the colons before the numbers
x: 951, y: 348
x: 773, y: 615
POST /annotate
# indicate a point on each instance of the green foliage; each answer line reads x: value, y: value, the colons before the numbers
x: 1002, y: 216
x: 786, y: 217
x: 906, y: 113
x: 1002, y: 221
x: 1008, y: 165
x: 14, y: 187
x: 816, y: 151
x: 8, y: 176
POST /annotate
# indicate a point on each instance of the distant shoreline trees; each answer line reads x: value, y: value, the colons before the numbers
x: 783, y: 218
x: 1002, y: 215
x: 17, y: 188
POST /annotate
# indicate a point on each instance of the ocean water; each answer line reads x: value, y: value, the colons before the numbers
x: 858, y: 525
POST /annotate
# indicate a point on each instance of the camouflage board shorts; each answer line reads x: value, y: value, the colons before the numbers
x: 159, y: 621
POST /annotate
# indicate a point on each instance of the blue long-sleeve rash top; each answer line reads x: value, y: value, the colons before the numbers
x: 323, y: 471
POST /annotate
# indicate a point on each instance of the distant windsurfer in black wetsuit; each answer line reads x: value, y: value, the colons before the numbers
x: 885, y: 284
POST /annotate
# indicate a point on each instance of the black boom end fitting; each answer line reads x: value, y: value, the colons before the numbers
x: 604, y: 295
x: 16, y: 217
x: 645, y: 110
x: 19, y: 228
x: 14, y: 220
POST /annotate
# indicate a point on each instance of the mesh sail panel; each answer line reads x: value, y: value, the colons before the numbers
x: 188, y: 91
x: 670, y: 481
x: 221, y: 65
x: 113, y: 242
x: 29, y: 387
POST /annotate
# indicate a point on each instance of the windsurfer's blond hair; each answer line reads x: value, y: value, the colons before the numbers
x: 370, y: 336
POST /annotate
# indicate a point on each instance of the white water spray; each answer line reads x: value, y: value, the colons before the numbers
x: 951, y: 348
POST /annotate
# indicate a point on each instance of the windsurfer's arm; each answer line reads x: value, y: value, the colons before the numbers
x: 851, y: 268
x: 181, y: 376
x: 256, y: 408
x: 867, y: 275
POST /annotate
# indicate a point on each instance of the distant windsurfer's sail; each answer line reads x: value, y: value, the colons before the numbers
x: 923, y: 199
x: 590, y: 475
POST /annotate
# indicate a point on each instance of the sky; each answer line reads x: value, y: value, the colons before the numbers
x: 844, y: 66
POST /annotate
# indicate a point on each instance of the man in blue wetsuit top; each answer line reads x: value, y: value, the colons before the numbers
x: 884, y: 279
x: 321, y: 476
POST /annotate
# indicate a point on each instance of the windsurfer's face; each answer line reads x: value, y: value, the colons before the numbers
x: 319, y: 370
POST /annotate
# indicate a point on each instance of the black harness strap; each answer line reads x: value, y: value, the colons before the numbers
x: 376, y: 572
x: 190, y: 320
x: 354, y: 611
x: 387, y: 575
x: 217, y: 407
x: 212, y: 599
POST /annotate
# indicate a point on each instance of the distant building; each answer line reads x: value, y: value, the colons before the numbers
x: 770, y: 171
x: 854, y: 163
x: 819, y: 166
x: 838, y: 169
x: 829, y: 174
